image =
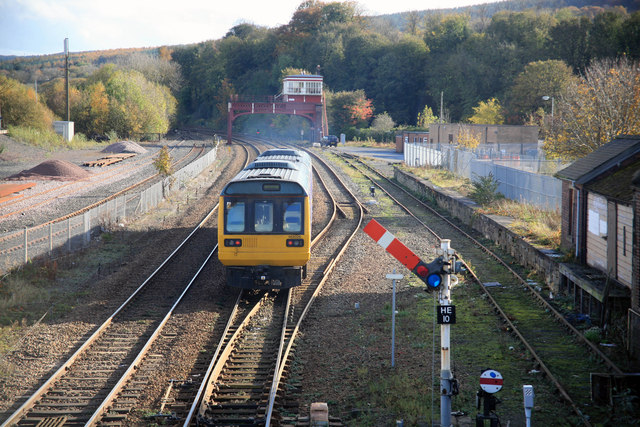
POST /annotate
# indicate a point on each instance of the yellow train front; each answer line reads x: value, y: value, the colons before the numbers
x: 264, y: 222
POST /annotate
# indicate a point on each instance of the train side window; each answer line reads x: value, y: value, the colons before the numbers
x: 292, y: 217
x: 235, y: 217
x: 263, y: 217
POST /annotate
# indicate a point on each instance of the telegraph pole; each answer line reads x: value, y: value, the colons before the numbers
x: 66, y: 66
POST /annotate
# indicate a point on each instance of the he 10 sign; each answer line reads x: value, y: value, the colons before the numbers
x: 446, y: 314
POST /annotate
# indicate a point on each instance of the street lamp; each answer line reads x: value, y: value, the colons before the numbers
x: 546, y: 98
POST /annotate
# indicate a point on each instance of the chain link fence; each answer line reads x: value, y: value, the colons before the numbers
x: 55, y: 238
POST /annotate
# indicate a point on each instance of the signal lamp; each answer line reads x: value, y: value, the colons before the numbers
x: 430, y: 274
x: 295, y: 243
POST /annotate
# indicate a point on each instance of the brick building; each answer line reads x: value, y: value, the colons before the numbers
x: 447, y: 133
x: 410, y: 136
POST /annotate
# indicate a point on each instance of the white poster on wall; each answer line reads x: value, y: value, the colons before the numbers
x: 594, y: 222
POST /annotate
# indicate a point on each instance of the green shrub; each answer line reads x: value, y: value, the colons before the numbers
x: 485, y: 189
x: 593, y: 334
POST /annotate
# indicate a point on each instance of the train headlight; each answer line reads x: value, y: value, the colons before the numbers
x: 233, y: 242
x: 295, y: 243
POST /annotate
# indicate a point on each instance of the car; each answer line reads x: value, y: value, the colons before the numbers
x: 330, y: 140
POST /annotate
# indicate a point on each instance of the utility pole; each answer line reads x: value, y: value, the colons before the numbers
x: 441, y: 99
x: 66, y: 66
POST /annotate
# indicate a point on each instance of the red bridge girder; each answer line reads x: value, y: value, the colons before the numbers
x: 308, y: 110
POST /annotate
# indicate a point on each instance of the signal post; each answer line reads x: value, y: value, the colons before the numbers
x: 437, y: 275
x: 446, y: 316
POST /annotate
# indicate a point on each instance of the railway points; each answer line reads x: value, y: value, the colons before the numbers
x: 380, y: 195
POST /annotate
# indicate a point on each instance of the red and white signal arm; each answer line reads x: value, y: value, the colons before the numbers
x: 430, y: 273
x: 392, y: 245
x: 491, y: 381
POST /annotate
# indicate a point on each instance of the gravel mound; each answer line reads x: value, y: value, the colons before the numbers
x: 58, y: 170
x: 125, y: 147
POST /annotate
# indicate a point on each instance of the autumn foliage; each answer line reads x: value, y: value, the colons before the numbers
x: 19, y: 107
x: 601, y: 105
x: 361, y: 111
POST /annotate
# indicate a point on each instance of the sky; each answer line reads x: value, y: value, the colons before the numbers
x: 39, y: 27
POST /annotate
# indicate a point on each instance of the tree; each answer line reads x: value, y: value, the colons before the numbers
x: 383, y: 122
x: 426, y: 117
x: 445, y: 33
x: 54, y: 95
x: 540, y: 78
x: 92, y: 112
x: 136, y: 105
x: 468, y: 137
x: 602, y: 104
x: 347, y: 109
x: 155, y: 69
x: 19, y: 106
x: 489, y: 113
x: 360, y: 111
x: 164, y: 166
x: 413, y: 23
x: 528, y: 31
x: 163, y: 162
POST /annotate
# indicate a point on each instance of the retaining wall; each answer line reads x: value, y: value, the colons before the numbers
x: 491, y: 226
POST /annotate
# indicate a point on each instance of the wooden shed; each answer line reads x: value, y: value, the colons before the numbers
x: 599, y: 221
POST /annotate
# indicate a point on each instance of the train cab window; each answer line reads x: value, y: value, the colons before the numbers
x: 263, y: 216
x: 235, y: 217
x: 292, y: 217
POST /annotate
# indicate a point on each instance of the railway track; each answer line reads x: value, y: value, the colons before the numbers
x: 103, y: 379
x: 555, y: 345
x: 247, y: 374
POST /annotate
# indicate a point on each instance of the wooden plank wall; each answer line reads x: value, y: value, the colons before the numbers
x: 625, y: 244
x: 597, y: 232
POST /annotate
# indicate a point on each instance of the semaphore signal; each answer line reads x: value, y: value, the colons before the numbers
x: 431, y: 273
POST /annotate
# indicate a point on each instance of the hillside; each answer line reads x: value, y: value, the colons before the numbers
x: 484, y: 12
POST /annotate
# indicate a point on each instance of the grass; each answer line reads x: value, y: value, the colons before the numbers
x: 443, y: 178
x: 370, y: 143
x: 48, y: 139
x: 538, y: 226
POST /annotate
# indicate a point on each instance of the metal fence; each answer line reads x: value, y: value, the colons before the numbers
x: 73, y: 233
x: 517, y: 181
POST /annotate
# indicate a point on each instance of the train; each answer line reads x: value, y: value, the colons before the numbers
x: 264, y: 221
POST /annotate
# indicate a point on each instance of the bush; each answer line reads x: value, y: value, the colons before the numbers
x: 594, y: 335
x: 485, y: 189
x: 354, y: 134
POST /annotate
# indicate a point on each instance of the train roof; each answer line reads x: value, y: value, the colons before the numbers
x: 290, y: 169
x: 272, y: 164
x: 286, y: 154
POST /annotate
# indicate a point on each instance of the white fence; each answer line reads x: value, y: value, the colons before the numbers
x: 516, y: 184
x: 73, y: 233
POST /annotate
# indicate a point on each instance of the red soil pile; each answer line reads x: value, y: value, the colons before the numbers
x: 58, y: 170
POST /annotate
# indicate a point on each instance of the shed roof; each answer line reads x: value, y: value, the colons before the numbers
x: 601, y: 160
x: 618, y: 185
